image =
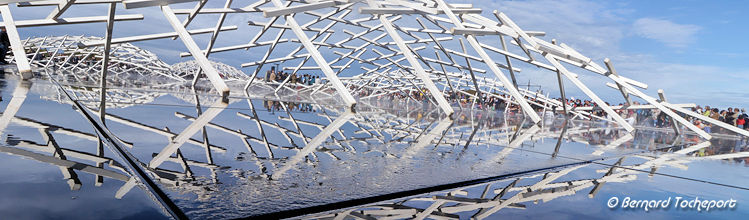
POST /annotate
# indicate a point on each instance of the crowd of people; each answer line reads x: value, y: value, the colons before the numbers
x: 733, y: 116
x: 657, y: 118
x: 280, y: 76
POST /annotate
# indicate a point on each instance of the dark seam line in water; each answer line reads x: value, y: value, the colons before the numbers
x: 390, y: 196
x: 675, y: 176
x: 657, y: 173
x: 174, y: 210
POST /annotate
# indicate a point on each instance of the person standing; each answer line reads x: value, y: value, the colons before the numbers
x: 708, y: 111
x: 269, y: 73
x: 735, y: 117
x: 729, y: 117
x: 4, y: 45
x: 741, y: 121
x: 715, y: 115
x: 272, y: 76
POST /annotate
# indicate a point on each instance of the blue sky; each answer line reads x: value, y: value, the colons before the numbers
x: 694, y: 50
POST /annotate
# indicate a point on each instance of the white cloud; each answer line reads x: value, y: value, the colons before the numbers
x: 667, y: 32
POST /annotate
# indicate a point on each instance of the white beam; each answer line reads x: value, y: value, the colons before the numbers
x: 27, y: 3
x: 19, y: 95
x: 105, y: 64
x: 76, y: 20
x: 348, y: 99
x: 673, y: 122
x: 185, y: 135
x: 313, y: 144
x: 130, y: 4
x: 152, y: 36
x: 19, y: 53
x: 215, y: 10
x: 633, y: 107
x: 65, y: 163
x: 202, y: 60
x: 61, y: 7
x: 397, y: 11
x: 275, y: 12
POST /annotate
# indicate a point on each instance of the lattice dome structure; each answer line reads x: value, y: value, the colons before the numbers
x: 434, y: 43
x: 188, y: 69
x: 130, y: 66
x: 127, y: 63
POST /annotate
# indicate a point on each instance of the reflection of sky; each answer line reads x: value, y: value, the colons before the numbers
x: 53, y: 199
x: 37, y: 190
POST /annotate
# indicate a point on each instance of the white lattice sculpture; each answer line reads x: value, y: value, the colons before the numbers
x: 127, y: 62
x: 435, y: 42
x: 188, y: 69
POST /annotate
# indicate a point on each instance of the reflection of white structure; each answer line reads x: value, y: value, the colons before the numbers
x: 119, y: 98
x: 538, y: 187
x: 372, y: 130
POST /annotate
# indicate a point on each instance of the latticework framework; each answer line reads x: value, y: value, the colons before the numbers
x: 127, y: 62
x: 189, y: 69
x: 436, y: 43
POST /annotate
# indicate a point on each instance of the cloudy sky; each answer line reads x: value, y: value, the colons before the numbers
x: 694, y: 50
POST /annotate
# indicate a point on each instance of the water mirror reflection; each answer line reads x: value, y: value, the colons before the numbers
x: 193, y: 154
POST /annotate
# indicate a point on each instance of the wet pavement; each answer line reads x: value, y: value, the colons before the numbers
x: 304, y: 156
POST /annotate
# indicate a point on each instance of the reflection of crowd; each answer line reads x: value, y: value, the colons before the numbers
x: 274, y: 106
x: 726, y: 146
x: 465, y: 99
